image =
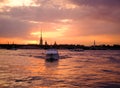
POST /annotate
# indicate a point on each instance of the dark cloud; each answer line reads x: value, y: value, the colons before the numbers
x: 106, y: 14
x: 44, y: 13
x: 110, y: 3
x: 36, y: 13
x: 10, y: 27
x: 101, y: 9
x: 50, y: 14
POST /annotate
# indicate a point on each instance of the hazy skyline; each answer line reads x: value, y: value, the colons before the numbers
x: 63, y: 21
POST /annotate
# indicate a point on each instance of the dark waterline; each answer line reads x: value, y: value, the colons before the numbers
x: 87, y: 69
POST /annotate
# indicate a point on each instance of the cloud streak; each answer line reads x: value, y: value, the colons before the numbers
x: 97, y: 3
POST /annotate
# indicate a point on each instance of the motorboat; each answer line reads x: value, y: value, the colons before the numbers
x: 52, y: 55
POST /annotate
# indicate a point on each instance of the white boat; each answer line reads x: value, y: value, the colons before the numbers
x: 52, y: 55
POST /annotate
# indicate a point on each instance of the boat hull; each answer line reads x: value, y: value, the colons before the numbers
x: 52, y: 55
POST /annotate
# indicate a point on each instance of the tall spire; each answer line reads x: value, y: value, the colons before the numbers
x: 41, y: 40
x: 94, y: 43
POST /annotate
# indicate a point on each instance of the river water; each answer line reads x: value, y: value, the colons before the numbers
x: 87, y: 69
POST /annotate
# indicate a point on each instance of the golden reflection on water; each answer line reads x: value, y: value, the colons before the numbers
x: 85, y: 71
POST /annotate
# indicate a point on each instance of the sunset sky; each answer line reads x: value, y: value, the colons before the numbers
x: 63, y: 21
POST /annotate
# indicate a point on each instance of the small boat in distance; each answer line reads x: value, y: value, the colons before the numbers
x: 77, y: 50
x: 52, y: 55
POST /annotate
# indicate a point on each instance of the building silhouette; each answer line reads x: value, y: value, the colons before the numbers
x: 94, y: 43
x: 41, y: 39
x: 46, y: 43
x: 55, y: 43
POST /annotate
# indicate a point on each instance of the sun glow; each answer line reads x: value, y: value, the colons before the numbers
x: 21, y: 3
x: 32, y: 42
x: 12, y: 40
x: 47, y: 34
x: 58, y: 32
x: 35, y: 33
x: 65, y: 20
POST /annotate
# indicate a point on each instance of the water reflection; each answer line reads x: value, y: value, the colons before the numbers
x: 53, y: 64
x: 51, y: 69
x: 88, y: 69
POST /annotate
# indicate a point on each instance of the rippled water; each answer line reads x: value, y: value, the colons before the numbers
x: 87, y: 69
